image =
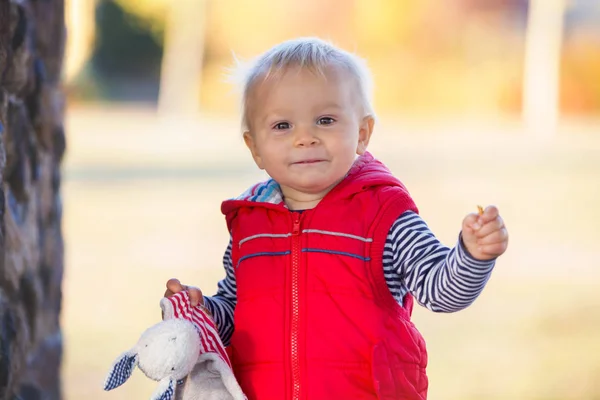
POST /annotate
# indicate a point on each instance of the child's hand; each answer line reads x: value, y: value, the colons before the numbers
x: 174, y: 286
x: 484, y: 235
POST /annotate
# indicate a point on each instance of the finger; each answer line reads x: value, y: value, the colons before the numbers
x: 499, y: 236
x: 174, y: 286
x: 168, y: 293
x: 493, y: 250
x: 195, y: 296
x: 490, y: 213
x: 490, y: 227
x: 470, y: 223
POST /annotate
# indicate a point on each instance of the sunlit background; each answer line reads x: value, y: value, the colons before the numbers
x: 479, y: 102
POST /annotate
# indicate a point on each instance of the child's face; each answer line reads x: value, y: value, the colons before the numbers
x: 306, y: 129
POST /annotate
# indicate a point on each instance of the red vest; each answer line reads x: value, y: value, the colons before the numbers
x: 314, y: 317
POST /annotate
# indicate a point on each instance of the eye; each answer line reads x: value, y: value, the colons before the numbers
x: 325, y: 121
x: 280, y: 126
x: 172, y: 368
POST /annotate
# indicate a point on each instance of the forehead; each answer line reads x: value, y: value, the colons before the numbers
x: 303, y: 83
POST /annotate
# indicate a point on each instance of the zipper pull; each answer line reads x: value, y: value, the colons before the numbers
x: 296, y: 226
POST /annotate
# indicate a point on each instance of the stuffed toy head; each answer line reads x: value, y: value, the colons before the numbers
x: 168, y: 349
x: 183, y: 353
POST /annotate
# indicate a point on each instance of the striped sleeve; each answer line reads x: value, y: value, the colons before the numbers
x: 222, y: 304
x: 441, y: 279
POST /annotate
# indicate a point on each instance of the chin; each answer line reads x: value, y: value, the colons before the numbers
x: 319, y: 188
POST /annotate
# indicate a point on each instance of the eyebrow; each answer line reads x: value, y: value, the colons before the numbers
x: 280, y: 111
x: 270, y: 114
x: 329, y: 105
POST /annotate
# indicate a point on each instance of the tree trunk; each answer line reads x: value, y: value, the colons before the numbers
x: 183, y: 53
x: 32, y: 37
x: 81, y: 16
x: 541, y: 79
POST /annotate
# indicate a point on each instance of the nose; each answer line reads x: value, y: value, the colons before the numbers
x: 304, y: 136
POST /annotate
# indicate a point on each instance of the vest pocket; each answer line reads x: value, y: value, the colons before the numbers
x: 395, y: 377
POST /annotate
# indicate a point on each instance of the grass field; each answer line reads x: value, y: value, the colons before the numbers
x: 141, y: 205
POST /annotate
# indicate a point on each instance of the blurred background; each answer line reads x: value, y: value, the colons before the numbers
x: 479, y: 102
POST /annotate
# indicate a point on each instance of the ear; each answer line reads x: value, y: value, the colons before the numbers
x: 365, y: 130
x: 212, y: 364
x: 121, y: 370
x: 165, y: 390
x: 167, y: 308
x: 251, y: 144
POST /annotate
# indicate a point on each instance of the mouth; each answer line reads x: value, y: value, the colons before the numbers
x: 309, y: 162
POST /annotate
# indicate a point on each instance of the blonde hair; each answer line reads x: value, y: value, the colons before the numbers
x: 311, y: 53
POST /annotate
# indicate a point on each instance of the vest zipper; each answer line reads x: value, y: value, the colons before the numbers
x: 295, y: 307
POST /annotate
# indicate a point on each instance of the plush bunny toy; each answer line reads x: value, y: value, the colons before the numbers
x: 184, y: 353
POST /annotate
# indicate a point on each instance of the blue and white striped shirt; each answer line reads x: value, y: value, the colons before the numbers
x: 440, y: 278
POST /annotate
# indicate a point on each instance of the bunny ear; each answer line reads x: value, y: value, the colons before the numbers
x: 167, y: 308
x: 121, y: 370
x: 165, y: 390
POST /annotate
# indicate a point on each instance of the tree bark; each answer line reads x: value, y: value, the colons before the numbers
x: 32, y: 37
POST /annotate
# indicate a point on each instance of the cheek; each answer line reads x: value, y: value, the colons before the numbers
x: 272, y: 155
x: 349, y: 141
x: 275, y: 149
